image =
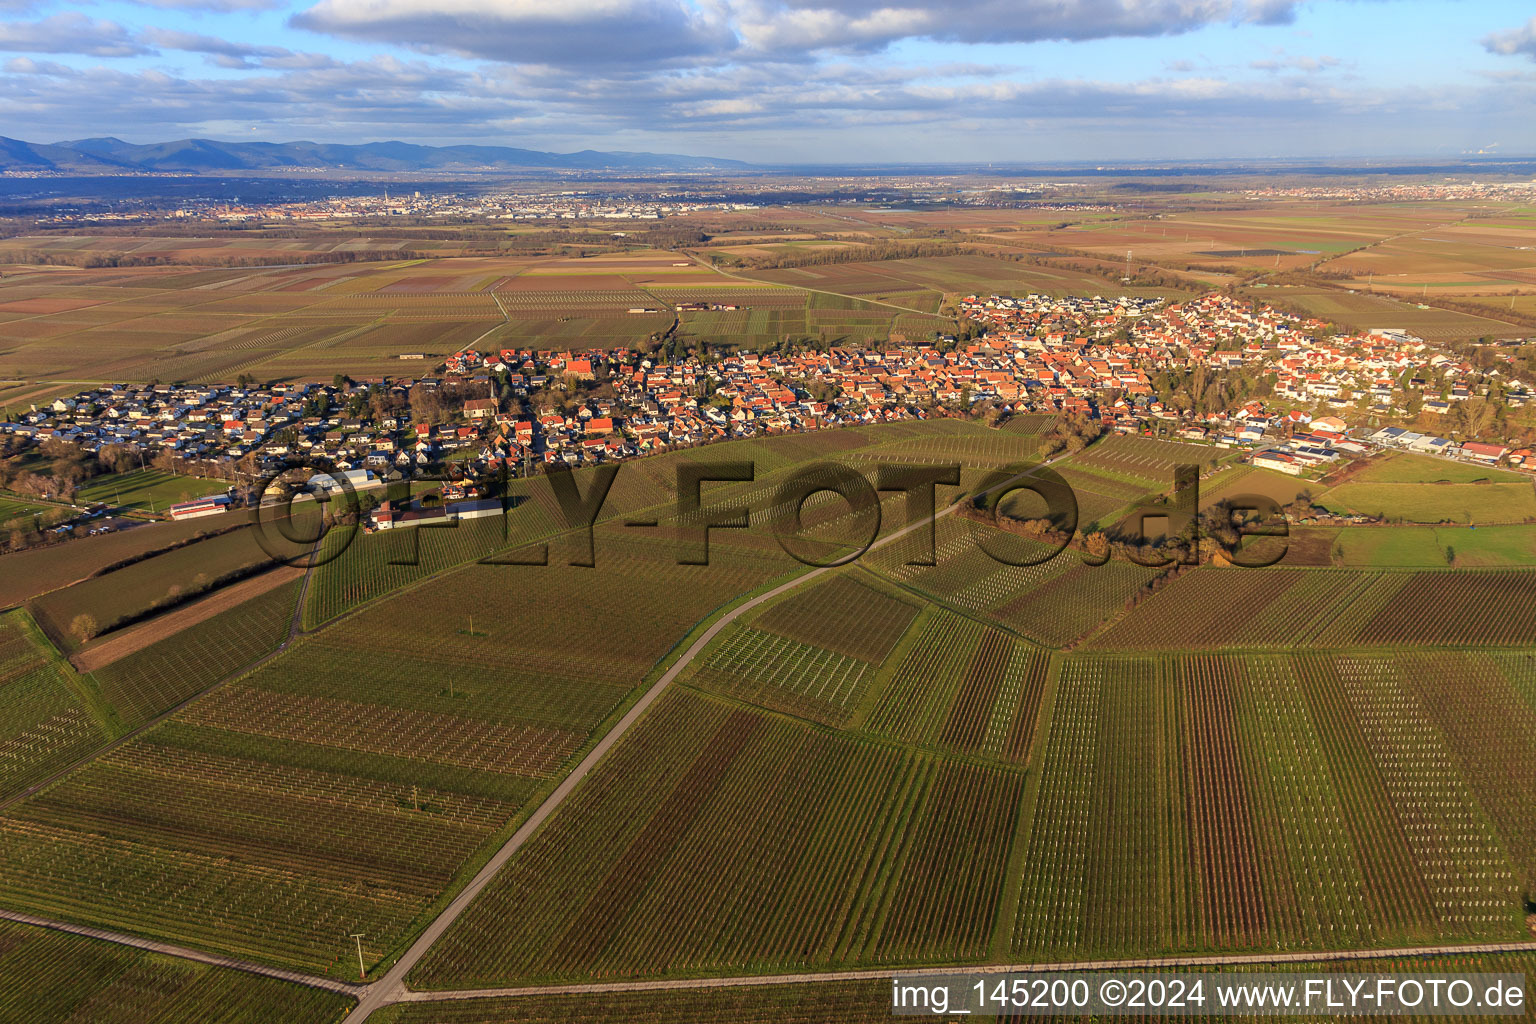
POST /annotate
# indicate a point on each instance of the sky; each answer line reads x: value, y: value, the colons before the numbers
x: 789, y: 81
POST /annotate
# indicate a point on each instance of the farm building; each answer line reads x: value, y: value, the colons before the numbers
x: 1480, y: 451
x: 1282, y: 462
x: 358, y: 479
x: 210, y: 506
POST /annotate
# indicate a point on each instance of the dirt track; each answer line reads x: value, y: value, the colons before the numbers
x: 136, y: 638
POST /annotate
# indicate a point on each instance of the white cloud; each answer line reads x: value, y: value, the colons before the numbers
x: 69, y: 33
x: 814, y: 24
x: 227, y: 54
x: 587, y: 32
x: 1296, y: 63
x: 28, y: 66
x: 212, y: 5
x: 1514, y: 41
x: 567, y: 32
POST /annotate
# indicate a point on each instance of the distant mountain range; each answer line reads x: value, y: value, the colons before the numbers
x: 207, y: 156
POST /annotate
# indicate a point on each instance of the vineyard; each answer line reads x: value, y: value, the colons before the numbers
x: 44, y: 722
x: 1144, y: 461
x: 843, y: 614
x: 356, y: 568
x: 39, y: 570
x: 1260, y: 801
x: 963, y: 442
x: 48, y: 976
x: 158, y: 677
x: 783, y: 675
x: 894, y: 764
x: 1054, y: 603
x: 135, y: 591
x: 343, y: 786
x: 842, y: 853
x: 865, y: 1002
x: 1279, y: 607
x: 271, y: 822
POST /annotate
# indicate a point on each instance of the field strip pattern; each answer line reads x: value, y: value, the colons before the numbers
x: 465, y: 742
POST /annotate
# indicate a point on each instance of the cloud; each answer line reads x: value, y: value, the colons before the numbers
x: 777, y: 25
x: 69, y: 33
x: 1288, y: 63
x: 223, y: 6
x: 228, y: 54
x: 28, y: 66
x: 588, y: 32
x: 1513, y: 41
x: 373, y: 99
x: 773, y: 113
x: 562, y: 32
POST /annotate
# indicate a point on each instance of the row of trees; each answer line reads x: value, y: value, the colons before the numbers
x: 1070, y: 434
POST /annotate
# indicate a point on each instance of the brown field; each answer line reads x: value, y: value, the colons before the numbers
x: 46, y: 305
x: 952, y: 275
x: 1361, y: 310
x: 1309, y: 230
x: 176, y: 323
x: 204, y: 322
x: 129, y: 641
x: 28, y: 574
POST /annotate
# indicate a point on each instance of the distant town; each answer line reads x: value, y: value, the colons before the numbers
x: 1211, y: 370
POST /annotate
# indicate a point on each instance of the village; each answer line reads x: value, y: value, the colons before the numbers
x: 1288, y: 390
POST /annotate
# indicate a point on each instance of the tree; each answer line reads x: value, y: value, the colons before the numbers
x: 83, y: 627
x: 1096, y: 544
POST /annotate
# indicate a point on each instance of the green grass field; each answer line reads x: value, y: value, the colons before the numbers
x: 1410, y: 468
x: 151, y: 490
x: 1481, y: 503
x: 20, y: 511
x: 1433, y: 546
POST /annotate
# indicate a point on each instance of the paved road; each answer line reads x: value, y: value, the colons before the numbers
x: 182, y: 952
x: 403, y: 995
x: 1200, y: 960
x: 391, y: 988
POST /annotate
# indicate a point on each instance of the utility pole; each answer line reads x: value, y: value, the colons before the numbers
x: 358, y: 938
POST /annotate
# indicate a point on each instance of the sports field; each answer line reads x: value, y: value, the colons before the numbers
x: 151, y: 490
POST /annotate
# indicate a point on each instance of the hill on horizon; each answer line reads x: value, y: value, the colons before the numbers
x: 114, y: 156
